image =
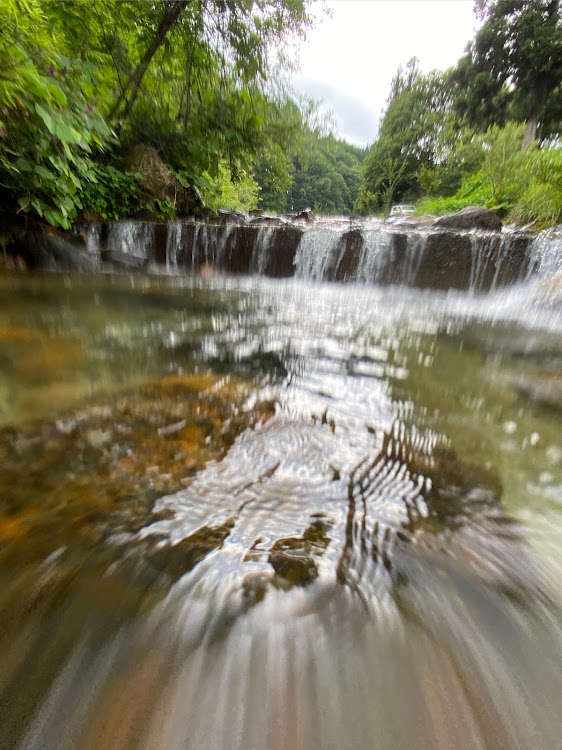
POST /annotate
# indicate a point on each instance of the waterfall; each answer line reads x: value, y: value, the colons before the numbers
x: 502, y: 254
x: 261, y: 250
x: 222, y: 243
x: 210, y: 245
x: 377, y: 254
x: 195, y: 245
x: 131, y: 238
x: 207, y: 244
x: 546, y: 252
x: 483, y: 247
x: 367, y: 251
x: 415, y: 249
x: 93, y: 234
x: 318, y: 250
x: 173, y: 243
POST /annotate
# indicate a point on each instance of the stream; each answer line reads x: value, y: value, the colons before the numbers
x: 246, y: 512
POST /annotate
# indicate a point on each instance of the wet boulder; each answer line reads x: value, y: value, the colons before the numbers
x: 158, y: 182
x: 473, y: 217
x: 117, y: 259
x: 232, y: 217
x: 307, y: 215
x: 267, y: 220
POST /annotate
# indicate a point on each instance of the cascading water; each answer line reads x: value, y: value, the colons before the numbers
x: 484, y: 247
x: 210, y: 245
x: 415, y: 249
x: 93, y: 234
x: 135, y: 238
x: 261, y: 250
x: 318, y: 250
x: 377, y: 255
x: 368, y: 251
x: 501, y: 256
x: 173, y: 244
x: 223, y: 246
x: 546, y: 252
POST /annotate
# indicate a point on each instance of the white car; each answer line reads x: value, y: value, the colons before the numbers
x: 401, y: 209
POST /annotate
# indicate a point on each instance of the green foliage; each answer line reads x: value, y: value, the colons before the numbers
x: 504, y: 161
x: 226, y: 192
x: 476, y: 190
x: 190, y: 78
x: 467, y: 136
x: 513, y: 69
x: 82, y: 81
x: 165, y: 208
x: 326, y: 175
x: 111, y: 193
x: 274, y: 173
x: 49, y: 129
x: 540, y: 202
x: 523, y: 185
x: 416, y: 132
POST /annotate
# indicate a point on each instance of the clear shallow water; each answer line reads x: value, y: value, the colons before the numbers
x: 247, y: 513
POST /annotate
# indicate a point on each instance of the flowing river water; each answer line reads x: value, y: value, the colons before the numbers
x: 239, y: 512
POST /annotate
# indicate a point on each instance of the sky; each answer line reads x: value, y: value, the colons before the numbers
x: 350, y: 58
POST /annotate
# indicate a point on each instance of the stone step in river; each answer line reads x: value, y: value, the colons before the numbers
x: 419, y: 254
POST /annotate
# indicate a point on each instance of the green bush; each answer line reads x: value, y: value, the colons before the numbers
x: 524, y: 186
x: 49, y: 128
x: 111, y: 193
x: 476, y: 190
x: 225, y: 192
x: 540, y: 203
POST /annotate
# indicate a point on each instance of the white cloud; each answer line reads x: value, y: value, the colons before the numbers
x: 349, y: 59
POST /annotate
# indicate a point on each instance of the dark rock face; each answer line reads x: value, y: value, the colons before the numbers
x: 284, y: 247
x: 473, y: 217
x: 49, y: 252
x: 447, y: 262
x: 434, y: 257
x: 347, y: 268
x: 160, y: 239
x: 123, y: 261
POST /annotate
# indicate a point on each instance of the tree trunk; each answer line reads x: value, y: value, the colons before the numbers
x: 172, y: 12
x: 530, y: 132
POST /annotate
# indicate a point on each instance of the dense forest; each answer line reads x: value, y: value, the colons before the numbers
x: 486, y: 132
x: 197, y: 85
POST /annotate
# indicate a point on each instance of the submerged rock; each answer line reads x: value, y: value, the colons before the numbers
x: 541, y: 388
x: 98, y: 469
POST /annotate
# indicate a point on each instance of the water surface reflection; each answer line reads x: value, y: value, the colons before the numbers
x: 247, y: 513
